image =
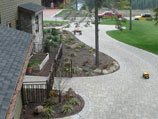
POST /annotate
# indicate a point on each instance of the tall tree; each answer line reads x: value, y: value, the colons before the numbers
x: 96, y: 33
x: 130, y: 26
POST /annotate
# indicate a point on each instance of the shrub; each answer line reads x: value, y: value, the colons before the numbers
x: 90, y: 51
x: 66, y: 59
x: 72, y: 54
x: 47, y: 31
x: 48, y: 112
x: 49, y: 103
x: 71, y: 38
x: 49, y: 37
x: 67, y: 109
x: 66, y: 45
x: 55, y: 32
x: 53, y: 93
x: 74, y: 101
x: 77, y: 50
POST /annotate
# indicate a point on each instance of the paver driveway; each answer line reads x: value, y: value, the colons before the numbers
x: 123, y: 94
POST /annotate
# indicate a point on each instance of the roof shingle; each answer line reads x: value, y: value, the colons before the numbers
x: 31, y: 7
x: 14, y: 46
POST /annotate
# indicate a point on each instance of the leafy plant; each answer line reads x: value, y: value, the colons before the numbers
x: 54, y: 32
x: 33, y: 63
x: 90, y: 51
x: 29, y: 65
x: 49, y: 103
x: 53, y: 93
x: 74, y: 101
x: 66, y: 59
x: 47, y: 31
x: 71, y: 38
x: 48, y: 112
x: 67, y: 109
x: 77, y: 50
x: 72, y: 54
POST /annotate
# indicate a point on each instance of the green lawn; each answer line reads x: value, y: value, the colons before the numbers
x: 144, y: 35
x: 55, y: 22
x: 108, y: 22
x: 63, y: 12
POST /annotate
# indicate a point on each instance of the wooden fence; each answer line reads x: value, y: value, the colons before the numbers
x: 37, y: 92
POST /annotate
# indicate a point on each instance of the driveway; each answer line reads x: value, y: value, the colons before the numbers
x: 123, y: 94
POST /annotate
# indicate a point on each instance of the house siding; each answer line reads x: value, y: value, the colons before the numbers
x: 18, y: 107
x: 9, y: 10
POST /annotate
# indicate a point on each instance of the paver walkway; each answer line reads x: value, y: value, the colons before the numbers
x: 48, y: 14
x: 123, y: 94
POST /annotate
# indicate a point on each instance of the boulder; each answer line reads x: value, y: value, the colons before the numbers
x: 70, y: 92
x: 73, y: 46
x: 38, y: 109
x: 98, y: 70
x: 105, y: 71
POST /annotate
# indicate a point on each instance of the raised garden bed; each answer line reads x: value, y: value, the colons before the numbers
x: 38, y: 61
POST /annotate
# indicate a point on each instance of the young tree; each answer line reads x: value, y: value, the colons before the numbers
x: 156, y: 15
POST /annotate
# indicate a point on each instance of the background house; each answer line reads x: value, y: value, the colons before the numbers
x: 9, y: 11
x: 15, y: 49
x: 56, y: 3
x: 30, y: 19
x: 25, y: 15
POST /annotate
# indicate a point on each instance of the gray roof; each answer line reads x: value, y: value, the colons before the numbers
x: 14, y: 46
x: 31, y: 7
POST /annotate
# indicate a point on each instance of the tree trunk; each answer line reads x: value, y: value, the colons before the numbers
x: 130, y: 28
x: 76, y: 5
x: 60, y: 96
x: 96, y: 34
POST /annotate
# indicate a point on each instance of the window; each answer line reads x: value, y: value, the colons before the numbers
x: 37, y: 23
x: 9, y: 24
x: 0, y: 19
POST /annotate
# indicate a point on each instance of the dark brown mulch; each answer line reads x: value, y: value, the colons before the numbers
x: 38, y: 56
x: 27, y: 112
x: 83, y: 59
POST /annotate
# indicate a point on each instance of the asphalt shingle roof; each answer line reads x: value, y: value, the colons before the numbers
x: 14, y: 46
x: 31, y: 7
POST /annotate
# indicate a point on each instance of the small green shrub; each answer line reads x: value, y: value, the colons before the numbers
x: 72, y: 54
x: 47, y: 31
x: 66, y: 45
x: 67, y: 109
x: 49, y: 103
x: 53, y: 93
x: 29, y: 65
x: 71, y: 38
x: 48, y: 112
x: 66, y: 59
x: 77, y: 50
x: 54, y: 32
x: 79, y: 46
x: 49, y: 37
x: 74, y: 101
x: 90, y: 51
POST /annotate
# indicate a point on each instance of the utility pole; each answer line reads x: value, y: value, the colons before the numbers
x: 96, y: 34
x: 130, y: 27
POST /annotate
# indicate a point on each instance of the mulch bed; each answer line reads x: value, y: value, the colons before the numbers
x: 84, y: 58
x: 28, y: 111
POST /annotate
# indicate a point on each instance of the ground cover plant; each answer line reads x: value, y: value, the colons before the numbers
x: 70, y: 104
x: 143, y: 35
x: 55, y: 22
